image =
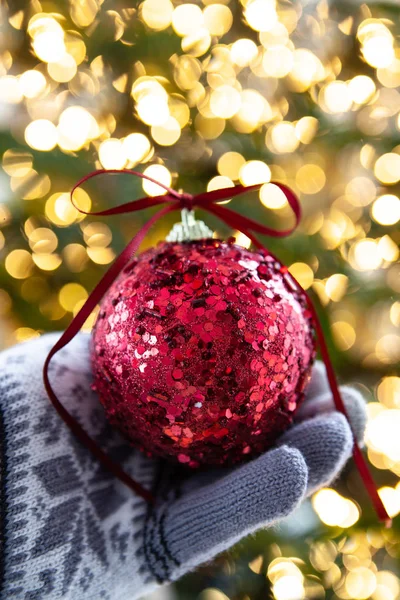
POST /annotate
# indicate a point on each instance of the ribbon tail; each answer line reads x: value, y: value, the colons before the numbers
x: 358, y: 456
x: 72, y: 331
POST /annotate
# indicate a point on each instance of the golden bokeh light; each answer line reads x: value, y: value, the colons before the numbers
x: 335, y: 510
x: 47, y: 262
x: 391, y: 499
x: 19, y: 264
x: 376, y: 43
x: 5, y: 302
x: 310, y: 179
x: 101, y: 256
x: 63, y: 69
x: 159, y: 173
x: 387, y: 586
x: 277, y: 61
x: 179, y: 110
x: 303, y: 274
x: 381, y: 434
x: 219, y: 182
x: 111, y: 154
x: 288, y: 587
x: 361, y: 89
x: 49, y: 46
x: 335, y: 97
x: 386, y: 209
x: 10, y: 90
x: 218, y: 19
x: 209, y: 128
x: 32, y: 83
x: 43, y: 240
x: 75, y: 46
x: 344, y: 334
x: 388, y: 249
x: 277, y: 35
x: 225, y: 101
x: 281, y: 138
x: 387, y: 168
x: 76, y: 127
x: 254, y: 172
x: 157, y: 14
x: 187, y: 18
x: 83, y: 13
x: 30, y: 186
x: 41, y: 135
x: 213, y: 594
x: 307, y: 69
x: 42, y: 22
x: 17, y: 163
x: 96, y: 235
x: 242, y: 239
x: 271, y: 196
x: 75, y: 257
x: 287, y: 579
x: 136, y: 147
x: 229, y: 165
x: 197, y: 43
x: 387, y: 350
x: 166, y: 134
x: 336, y: 286
x: 306, y: 129
x: 395, y: 313
x: 360, y: 583
x: 70, y: 295
x: 261, y: 14
x: 147, y: 86
x: 243, y: 52
x: 254, y: 110
x: 22, y: 334
x: 364, y: 255
x: 153, y: 109
x: 389, y: 391
x: 60, y: 210
x: 390, y: 76
x: 361, y: 191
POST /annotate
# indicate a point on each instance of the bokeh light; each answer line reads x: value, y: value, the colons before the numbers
x: 76, y: 127
x: 159, y: 173
x: 41, y: 135
x: 253, y: 172
x: 32, y: 83
x: 335, y: 510
x: 386, y: 209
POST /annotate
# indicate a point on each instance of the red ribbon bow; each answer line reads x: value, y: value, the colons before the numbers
x: 176, y: 201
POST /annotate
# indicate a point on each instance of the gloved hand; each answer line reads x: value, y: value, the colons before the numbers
x: 69, y: 530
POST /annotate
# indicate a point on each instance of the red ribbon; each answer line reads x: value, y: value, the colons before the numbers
x: 172, y: 201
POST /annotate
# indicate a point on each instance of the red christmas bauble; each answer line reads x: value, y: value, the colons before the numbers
x: 201, y: 351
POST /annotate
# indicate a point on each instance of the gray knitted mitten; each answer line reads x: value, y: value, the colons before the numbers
x: 69, y: 530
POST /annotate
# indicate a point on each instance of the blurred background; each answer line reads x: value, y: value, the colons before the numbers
x: 204, y: 95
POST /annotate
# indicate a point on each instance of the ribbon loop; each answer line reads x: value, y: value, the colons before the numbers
x: 208, y: 201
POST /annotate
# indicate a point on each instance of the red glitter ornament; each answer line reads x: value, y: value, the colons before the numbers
x: 201, y: 351
x: 255, y: 303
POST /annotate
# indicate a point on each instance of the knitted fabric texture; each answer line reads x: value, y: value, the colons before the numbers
x: 69, y: 530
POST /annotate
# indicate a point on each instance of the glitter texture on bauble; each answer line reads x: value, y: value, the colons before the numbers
x: 202, y: 351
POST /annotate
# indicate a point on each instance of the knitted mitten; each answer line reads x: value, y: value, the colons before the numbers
x: 69, y: 530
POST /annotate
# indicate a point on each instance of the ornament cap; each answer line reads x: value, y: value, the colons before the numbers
x: 188, y: 229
